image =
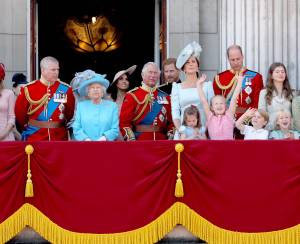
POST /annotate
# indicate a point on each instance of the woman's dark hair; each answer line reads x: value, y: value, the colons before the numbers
x: 270, y: 87
x: 113, y: 89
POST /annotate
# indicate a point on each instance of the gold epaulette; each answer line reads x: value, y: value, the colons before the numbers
x: 137, y: 100
x: 162, y: 85
x: 30, y: 83
x: 132, y: 90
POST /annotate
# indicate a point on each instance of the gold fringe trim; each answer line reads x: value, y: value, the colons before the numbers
x: 178, y: 213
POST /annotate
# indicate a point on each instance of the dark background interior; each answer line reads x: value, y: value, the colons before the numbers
x: 134, y: 18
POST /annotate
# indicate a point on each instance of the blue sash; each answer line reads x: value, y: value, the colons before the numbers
x: 151, y: 115
x: 30, y: 129
x: 248, y: 75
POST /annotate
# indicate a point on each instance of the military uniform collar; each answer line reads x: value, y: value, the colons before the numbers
x: 148, y: 88
x: 238, y: 73
x: 45, y: 82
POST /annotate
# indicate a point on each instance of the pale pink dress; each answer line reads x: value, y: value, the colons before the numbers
x: 220, y: 127
x: 7, y: 114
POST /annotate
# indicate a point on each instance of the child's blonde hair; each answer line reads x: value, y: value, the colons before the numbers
x: 192, y: 110
x: 216, y: 96
x: 280, y: 112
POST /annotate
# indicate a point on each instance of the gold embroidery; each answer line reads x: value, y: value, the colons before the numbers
x: 32, y: 102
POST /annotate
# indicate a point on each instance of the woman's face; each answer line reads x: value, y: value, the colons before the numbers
x: 123, y: 82
x: 279, y: 74
x: 95, y: 91
x: 191, y: 66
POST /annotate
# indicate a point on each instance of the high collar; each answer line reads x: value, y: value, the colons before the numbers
x: 148, y: 88
x: 45, y: 82
x: 238, y: 72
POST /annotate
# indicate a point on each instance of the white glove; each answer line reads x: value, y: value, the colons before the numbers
x: 102, y: 138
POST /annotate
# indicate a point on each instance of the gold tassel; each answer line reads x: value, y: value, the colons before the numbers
x: 179, y: 184
x: 29, y: 185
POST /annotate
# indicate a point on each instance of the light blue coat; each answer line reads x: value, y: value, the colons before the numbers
x: 95, y: 120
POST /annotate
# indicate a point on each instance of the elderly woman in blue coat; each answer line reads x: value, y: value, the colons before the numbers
x: 96, y: 119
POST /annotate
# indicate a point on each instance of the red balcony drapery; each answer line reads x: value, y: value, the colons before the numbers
x: 112, y: 191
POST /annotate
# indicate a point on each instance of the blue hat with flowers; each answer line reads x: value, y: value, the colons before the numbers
x: 91, y: 78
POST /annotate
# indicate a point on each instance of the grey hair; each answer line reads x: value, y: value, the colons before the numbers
x: 102, y: 87
x: 145, y: 68
x: 46, y: 60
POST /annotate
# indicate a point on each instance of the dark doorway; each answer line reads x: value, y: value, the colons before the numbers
x: 134, y: 20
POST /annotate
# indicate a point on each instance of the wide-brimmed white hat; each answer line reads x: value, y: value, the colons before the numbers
x: 130, y: 70
x: 192, y: 49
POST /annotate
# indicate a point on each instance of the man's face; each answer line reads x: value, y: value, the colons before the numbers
x: 235, y: 59
x: 171, y: 74
x: 151, y: 76
x: 51, y: 72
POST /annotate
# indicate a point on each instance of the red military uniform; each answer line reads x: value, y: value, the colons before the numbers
x: 42, y: 112
x: 146, y: 114
x: 225, y: 82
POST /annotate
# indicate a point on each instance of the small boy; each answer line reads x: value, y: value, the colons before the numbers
x: 259, y: 119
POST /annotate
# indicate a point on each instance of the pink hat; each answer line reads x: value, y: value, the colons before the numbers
x: 130, y: 70
x: 2, y: 71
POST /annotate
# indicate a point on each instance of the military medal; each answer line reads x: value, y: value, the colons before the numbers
x: 248, y: 90
x: 60, y: 97
x: 248, y: 82
x: 248, y: 100
x: 162, y: 100
x: 161, y: 118
x: 61, y: 108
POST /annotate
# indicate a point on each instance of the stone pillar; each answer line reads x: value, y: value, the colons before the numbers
x: 13, y: 37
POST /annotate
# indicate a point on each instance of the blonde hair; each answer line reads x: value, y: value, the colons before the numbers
x: 192, y: 110
x: 281, y: 112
